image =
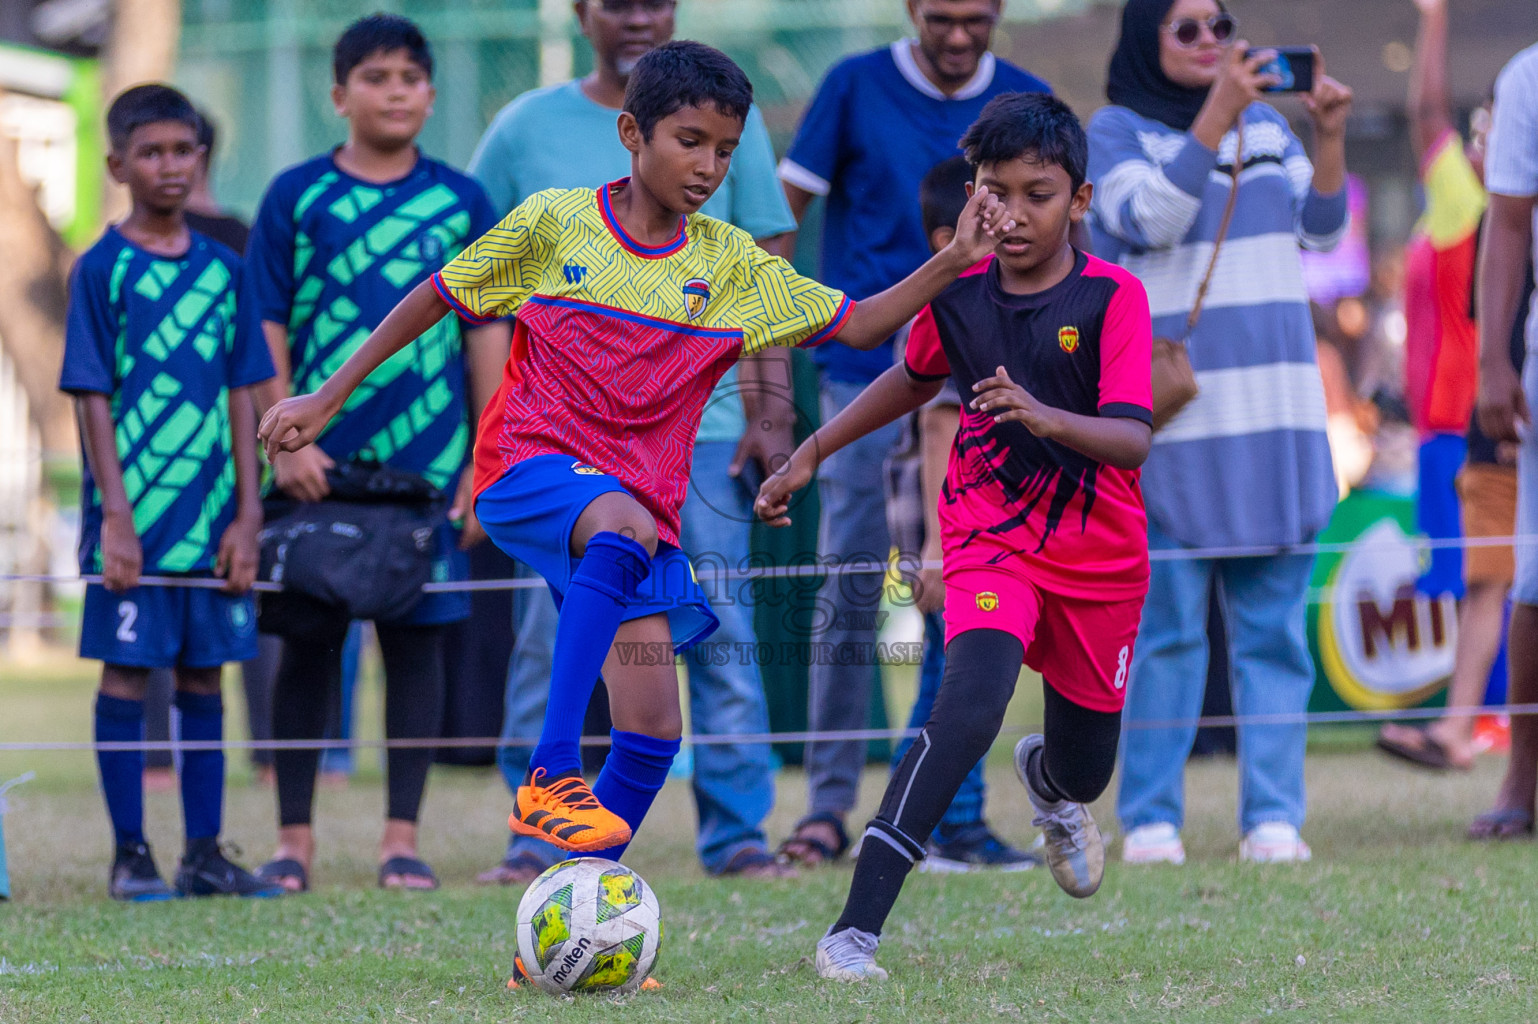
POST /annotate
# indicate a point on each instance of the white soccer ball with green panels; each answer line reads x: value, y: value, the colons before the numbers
x: 589, y: 925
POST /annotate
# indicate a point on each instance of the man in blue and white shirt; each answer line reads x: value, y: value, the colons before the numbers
x: 878, y: 123
x: 1506, y: 403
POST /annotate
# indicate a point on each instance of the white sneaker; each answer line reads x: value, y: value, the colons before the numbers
x: 1274, y: 842
x: 1073, y: 847
x: 849, y: 955
x: 1158, y: 843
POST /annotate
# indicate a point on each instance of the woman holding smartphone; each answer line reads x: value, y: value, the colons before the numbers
x: 1246, y: 463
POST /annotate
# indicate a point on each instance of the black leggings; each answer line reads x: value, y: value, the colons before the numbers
x: 310, y: 677
x: 981, y: 667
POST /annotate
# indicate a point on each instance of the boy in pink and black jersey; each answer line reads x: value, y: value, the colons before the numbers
x: 1044, y: 538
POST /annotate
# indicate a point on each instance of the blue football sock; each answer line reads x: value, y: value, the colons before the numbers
x: 605, y: 582
x: 122, y: 771
x: 202, y: 779
x: 632, y: 776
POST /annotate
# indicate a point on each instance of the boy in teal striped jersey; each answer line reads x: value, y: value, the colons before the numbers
x: 338, y: 241
x: 160, y: 357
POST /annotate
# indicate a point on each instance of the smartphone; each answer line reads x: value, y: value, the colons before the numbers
x: 1293, y: 65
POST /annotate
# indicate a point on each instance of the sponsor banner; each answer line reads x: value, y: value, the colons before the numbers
x: 1377, y: 643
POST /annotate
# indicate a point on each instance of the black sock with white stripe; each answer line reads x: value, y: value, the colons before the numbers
x: 886, y: 857
x: 981, y: 666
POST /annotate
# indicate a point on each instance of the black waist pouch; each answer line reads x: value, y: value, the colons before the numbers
x: 362, y: 553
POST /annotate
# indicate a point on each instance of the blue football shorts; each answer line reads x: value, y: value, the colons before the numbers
x: 166, y: 627
x: 530, y: 514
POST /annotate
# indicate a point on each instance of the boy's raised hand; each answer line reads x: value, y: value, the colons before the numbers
x: 293, y: 423
x: 1007, y: 401
x: 983, y: 223
x: 774, y: 493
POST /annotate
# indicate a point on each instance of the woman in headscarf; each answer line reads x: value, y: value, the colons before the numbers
x: 1247, y: 462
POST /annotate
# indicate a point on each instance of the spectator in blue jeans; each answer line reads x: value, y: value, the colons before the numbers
x: 563, y: 137
x: 878, y: 123
x: 1247, y: 462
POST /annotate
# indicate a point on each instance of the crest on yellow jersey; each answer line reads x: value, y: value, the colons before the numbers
x: 696, y: 297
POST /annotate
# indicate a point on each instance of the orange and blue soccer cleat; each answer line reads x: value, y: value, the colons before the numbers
x: 563, y: 811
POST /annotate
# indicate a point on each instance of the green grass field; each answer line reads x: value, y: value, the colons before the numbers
x: 1396, y: 920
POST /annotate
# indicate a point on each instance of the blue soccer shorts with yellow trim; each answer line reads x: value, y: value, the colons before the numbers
x: 530, y: 513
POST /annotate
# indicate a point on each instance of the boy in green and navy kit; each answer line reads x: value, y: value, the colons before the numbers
x: 160, y: 355
x: 338, y: 241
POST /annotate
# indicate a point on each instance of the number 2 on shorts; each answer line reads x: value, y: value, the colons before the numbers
x: 127, y: 613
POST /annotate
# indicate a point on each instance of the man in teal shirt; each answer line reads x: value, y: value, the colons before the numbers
x: 564, y: 136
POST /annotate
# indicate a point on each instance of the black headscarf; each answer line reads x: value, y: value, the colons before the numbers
x: 1136, y: 80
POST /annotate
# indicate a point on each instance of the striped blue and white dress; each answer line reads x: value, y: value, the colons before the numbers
x: 1247, y: 462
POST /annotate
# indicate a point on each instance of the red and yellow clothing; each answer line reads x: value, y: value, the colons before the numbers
x: 1441, y: 343
x: 617, y: 346
x: 1071, y: 525
x: 1038, y: 539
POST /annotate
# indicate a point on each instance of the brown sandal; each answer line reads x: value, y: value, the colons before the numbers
x: 516, y: 869
x: 811, y: 850
x: 1425, y: 750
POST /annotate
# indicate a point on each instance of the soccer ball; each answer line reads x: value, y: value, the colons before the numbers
x: 589, y: 925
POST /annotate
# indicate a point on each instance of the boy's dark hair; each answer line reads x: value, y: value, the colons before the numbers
x: 943, y: 193
x: 208, y: 135
x: 143, y: 105
x: 685, y: 74
x: 1034, y: 125
x: 379, y: 33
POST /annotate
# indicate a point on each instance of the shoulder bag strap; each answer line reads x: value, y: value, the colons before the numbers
x: 1217, y: 241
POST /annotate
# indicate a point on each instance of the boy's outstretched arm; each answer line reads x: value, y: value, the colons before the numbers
x: 1430, y: 104
x: 122, y: 557
x: 295, y: 422
x: 983, y: 222
x: 1114, y: 440
x: 300, y: 474
x: 889, y: 396
x: 238, y: 556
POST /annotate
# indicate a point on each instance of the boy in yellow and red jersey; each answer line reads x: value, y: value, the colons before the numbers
x: 630, y: 306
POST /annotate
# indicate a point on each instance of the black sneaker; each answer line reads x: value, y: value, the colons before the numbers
x: 134, y: 878
x: 975, y: 848
x: 205, y: 871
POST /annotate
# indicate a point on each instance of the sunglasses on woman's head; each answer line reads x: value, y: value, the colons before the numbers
x: 1188, y: 30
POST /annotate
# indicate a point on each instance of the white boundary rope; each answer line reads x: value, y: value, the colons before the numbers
x: 865, y: 567
x: 853, y: 568
x: 721, y: 739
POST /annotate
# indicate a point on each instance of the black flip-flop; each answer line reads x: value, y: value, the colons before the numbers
x: 826, y: 854
x: 275, y: 871
x: 407, y: 866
